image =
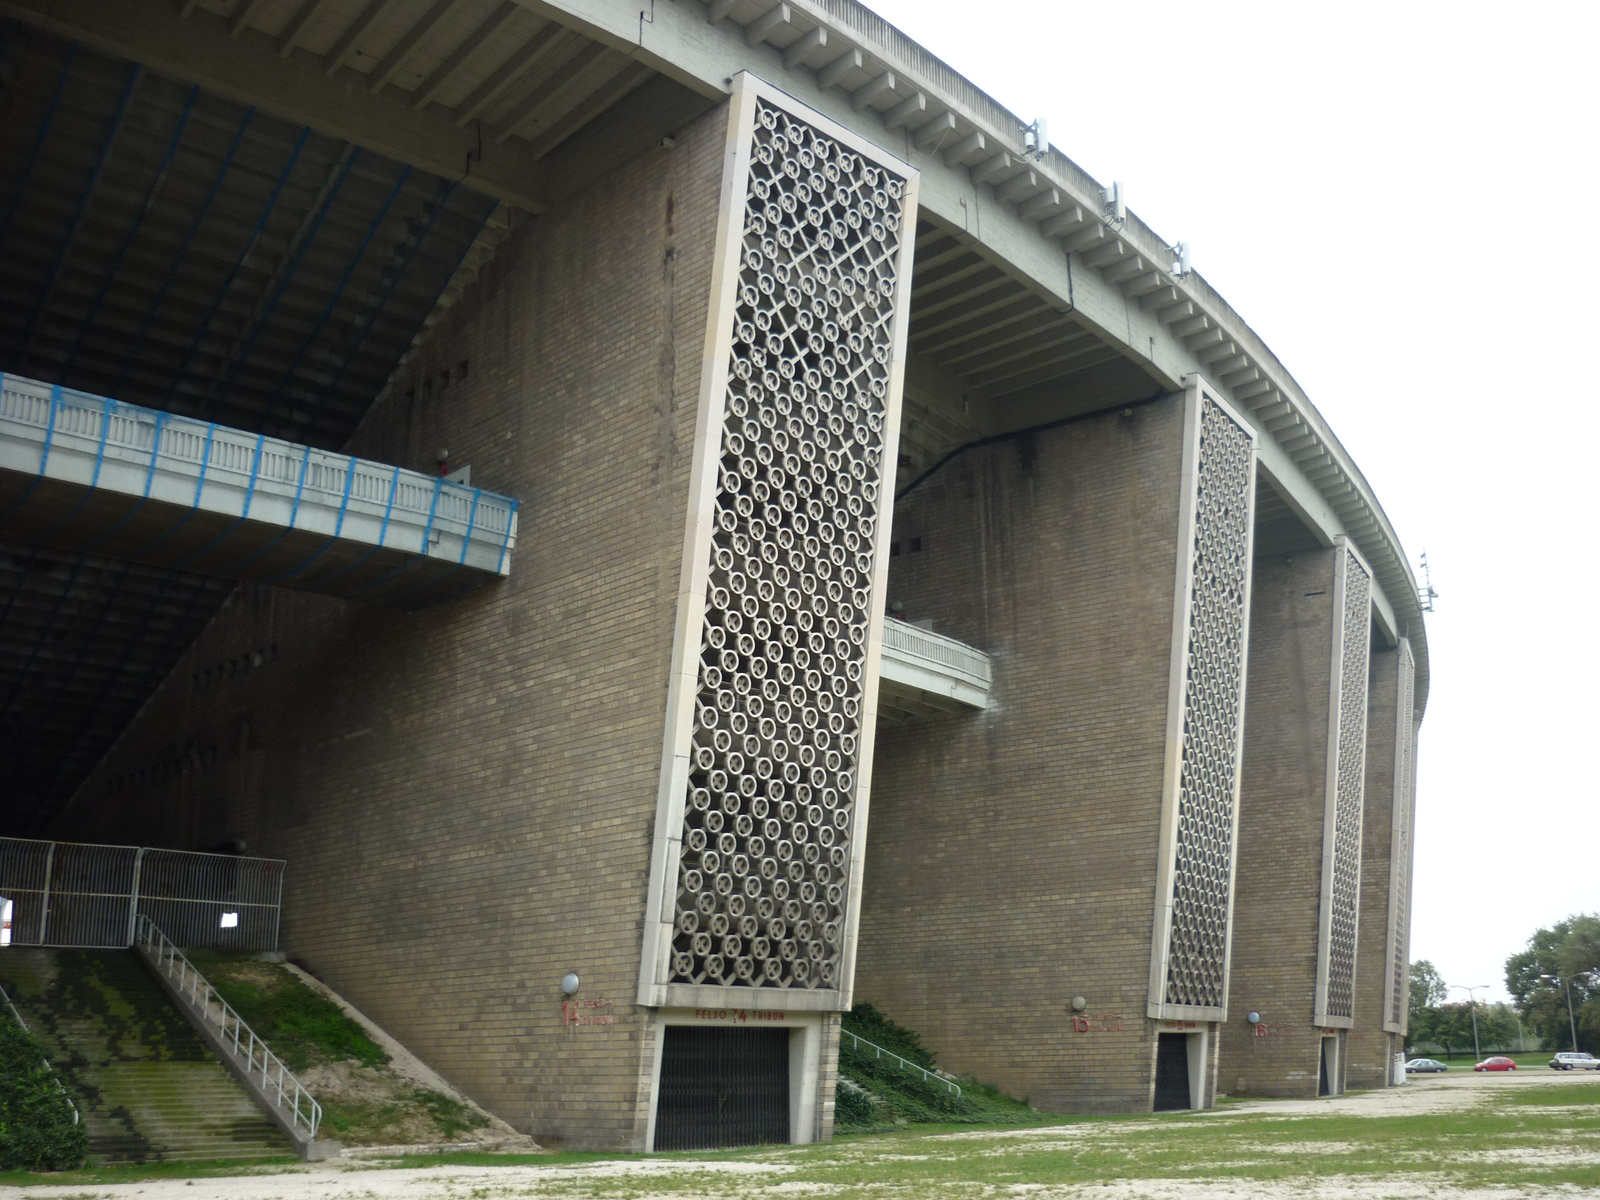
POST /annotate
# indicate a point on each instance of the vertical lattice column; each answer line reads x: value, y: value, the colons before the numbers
x: 1346, y: 785
x: 771, y: 720
x: 1397, y: 985
x: 1200, y: 804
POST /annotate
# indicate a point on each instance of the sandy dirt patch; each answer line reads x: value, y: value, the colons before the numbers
x: 771, y: 1173
x: 1420, y: 1096
x: 404, y: 1071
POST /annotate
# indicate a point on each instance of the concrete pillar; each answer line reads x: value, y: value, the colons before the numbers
x: 1383, y: 970
x: 759, y: 830
x: 1017, y: 857
x: 1297, y: 903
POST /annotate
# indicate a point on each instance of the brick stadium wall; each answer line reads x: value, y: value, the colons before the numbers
x: 465, y: 795
x: 1011, y: 856
x: 1370, y: 1048
x: 1277, y: 889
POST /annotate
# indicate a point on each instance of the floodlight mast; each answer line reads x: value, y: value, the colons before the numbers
x: 1425, y: 593
x: 1036, y: 139
x: 1572, y: 1019
x: 1472, y: 1009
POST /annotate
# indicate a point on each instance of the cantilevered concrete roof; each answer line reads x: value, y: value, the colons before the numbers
x: 242, y: 210
x: 185, y: 252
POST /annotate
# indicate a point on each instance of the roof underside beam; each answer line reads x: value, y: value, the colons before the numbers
x: 247, y: 67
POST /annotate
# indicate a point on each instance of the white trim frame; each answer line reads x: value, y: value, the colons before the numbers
x: 805, y: 1062
x: 1344, y: 553
x: 694, y: 573
x: 1336, y: 1068
x: 1402, y: 832
x: 1196, y: 393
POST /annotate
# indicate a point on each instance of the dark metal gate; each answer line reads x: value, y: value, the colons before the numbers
x: 722, y: 1086
x: 1172, y: 1071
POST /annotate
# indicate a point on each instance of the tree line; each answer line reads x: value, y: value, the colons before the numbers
x: 1555, y: 989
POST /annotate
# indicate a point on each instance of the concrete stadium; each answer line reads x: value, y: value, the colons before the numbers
x: 539, y: 466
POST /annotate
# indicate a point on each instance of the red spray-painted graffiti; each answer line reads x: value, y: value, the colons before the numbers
x: 578, y: 1013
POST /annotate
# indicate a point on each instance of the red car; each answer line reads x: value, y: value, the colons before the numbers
x: 1496, y: 1063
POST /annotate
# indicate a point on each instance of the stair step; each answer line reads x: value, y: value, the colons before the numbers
x: 152, y: 1088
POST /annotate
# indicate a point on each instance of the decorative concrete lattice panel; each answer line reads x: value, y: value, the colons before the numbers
x: 1349, y: 748
x: 771, y: 803
x: 1399, y: 948
x: 1213, y: 708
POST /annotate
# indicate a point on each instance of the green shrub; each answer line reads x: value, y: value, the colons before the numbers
x: 854, y: 1109
x: 866, y: 1021
x: 906, y: 1095
x: 37, y: 1132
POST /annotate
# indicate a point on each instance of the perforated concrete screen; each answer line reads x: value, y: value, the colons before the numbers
x: 1347, y: 749
x: 1397, y: 988
x: 760, y: 878
x: 1189, y: 975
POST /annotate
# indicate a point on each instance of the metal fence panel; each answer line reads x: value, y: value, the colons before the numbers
x: 73, y: 894
x: 24, y: 867
x: 89, y: 888
x: 189, y: 897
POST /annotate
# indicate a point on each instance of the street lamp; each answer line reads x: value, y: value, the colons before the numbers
x: 1572, y: 1020
x: 1472, y: 1007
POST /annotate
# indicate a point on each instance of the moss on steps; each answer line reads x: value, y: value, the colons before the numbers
x: 151, y: 1087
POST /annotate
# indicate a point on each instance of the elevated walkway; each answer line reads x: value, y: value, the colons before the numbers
x: 151, y: 1089
x: 924, y: 673
x: 80, y: 472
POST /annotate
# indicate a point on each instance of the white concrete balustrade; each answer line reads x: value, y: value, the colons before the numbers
x: 924, y: 672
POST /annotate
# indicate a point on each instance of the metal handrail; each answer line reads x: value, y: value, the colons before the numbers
x: 77, y: 1117
x: 905, y: 1063
x: 291, y: 1093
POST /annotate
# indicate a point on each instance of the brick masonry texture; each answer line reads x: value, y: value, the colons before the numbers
x: 1371, y: 1048
x: 466, y: 795
x: 1281, y: 807
x: 1011, y: 856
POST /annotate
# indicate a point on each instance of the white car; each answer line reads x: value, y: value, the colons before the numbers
x: 1568, y: 1060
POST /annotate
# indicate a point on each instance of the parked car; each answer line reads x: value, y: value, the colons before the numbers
x: 1496, y: 1062
x: 1425, y: 1066
x: 1567, y: 1060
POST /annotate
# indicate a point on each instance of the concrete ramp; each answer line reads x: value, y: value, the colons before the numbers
x: 81, y: 472
x: 151, y: 1090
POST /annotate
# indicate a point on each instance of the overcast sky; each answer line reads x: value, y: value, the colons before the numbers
x: 1400, y: 198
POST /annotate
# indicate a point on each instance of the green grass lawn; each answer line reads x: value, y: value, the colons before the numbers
x: 1520, y: 1135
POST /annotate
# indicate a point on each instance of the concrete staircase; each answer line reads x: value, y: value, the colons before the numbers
x: 152, y: 1089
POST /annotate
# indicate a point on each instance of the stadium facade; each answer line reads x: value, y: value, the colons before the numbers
x: 546, y: 469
